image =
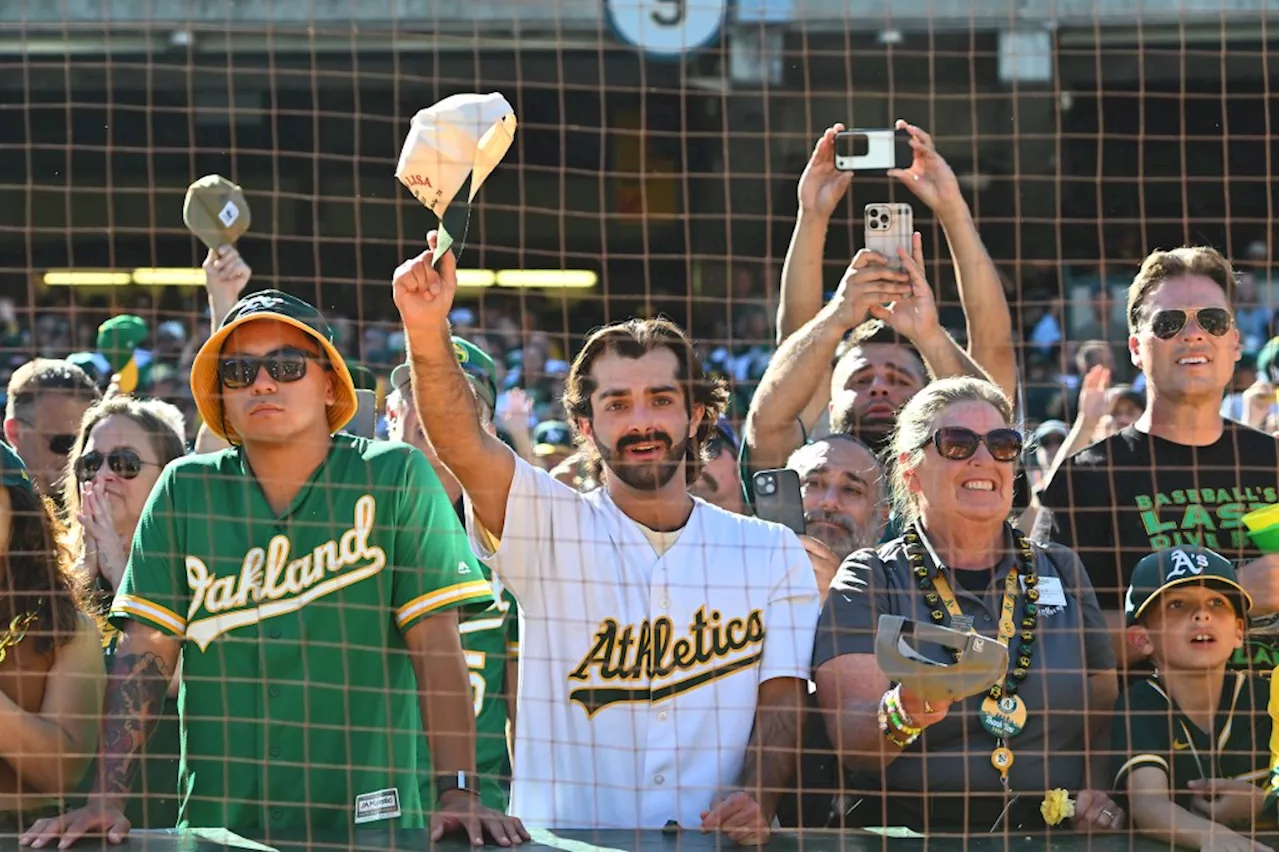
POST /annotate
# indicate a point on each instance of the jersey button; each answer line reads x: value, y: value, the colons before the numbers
x: 987, y: 617
x: 274, y: 692
x: 274, y: 633
x: 664, y: 603
x: 277, y: 814
x: 274, y: 751
x: 662, y: 717
x: 658, y: 779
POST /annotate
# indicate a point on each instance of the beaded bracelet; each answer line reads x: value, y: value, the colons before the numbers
x: 892, y: 722
x: 893, y: 703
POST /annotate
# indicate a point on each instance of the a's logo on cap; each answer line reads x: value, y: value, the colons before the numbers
x: 1184, y: 563
x: 460, y: 352
x: 261, y: 302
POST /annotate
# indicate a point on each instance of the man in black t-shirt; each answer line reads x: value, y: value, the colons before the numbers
x: 1182, y: 474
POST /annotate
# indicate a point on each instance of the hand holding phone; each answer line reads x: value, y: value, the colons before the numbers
x: 887, y: 228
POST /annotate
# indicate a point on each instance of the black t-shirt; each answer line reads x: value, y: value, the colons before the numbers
x: 1133, y: 493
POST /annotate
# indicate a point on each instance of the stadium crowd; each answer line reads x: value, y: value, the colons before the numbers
x: 546, y: 587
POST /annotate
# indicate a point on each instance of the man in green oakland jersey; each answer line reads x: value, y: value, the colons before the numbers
x: 311, y: 582
x: 490, y: 638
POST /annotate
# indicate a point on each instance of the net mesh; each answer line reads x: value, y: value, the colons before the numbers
x: 1082, y: 135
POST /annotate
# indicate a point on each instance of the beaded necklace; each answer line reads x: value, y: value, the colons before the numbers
x: 1003, y: 712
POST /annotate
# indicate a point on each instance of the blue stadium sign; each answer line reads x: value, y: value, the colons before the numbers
x: 666, y: 29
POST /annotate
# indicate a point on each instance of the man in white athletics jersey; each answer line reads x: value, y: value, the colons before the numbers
x: 665, y: 642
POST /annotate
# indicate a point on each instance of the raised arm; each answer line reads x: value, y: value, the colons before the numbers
x: 986, y: 310
x: 821, y: 188
x: 802, y: 363
x: 447, y: 406
x: 49, y: 749
x: 225, y: 277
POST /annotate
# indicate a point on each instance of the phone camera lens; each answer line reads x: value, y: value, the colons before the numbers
x: 767, y: 485
x: 884, y: 219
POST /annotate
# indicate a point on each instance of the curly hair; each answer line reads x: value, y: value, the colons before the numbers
x: 634, y: 339
x: 36, y: 572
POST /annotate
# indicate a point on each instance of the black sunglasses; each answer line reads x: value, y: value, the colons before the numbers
x: 60, y: 444
x: 958, y: 443
x: 1169, y: 323
x: 282, y: 365
x: 124, y: 462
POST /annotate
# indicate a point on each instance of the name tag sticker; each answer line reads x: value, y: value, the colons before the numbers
x: 381, y: 804
x: 1051, y: 592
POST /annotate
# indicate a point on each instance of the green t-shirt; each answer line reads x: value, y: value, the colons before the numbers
x: 1149, y: 729
x: 299, y: 705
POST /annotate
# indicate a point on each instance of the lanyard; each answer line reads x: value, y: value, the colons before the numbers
x: 1007, y: 607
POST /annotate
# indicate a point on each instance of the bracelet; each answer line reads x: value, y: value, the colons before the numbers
x: 893, y: 704
x: 891, y: 723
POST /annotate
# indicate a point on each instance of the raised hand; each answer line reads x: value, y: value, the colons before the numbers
x: 821, y: 186
x: 915, y: 315
x: 866, y: 283
x: 105, y: 552
x: 1091, y: 404
x: 225, y: 275
x: 423, y: 293
x: 929, y: 177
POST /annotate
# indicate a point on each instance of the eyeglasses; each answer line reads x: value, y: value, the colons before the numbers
x: 958, y: 443
x: 1169, y: 323
x: 282, y: 365
x: 124, y: 462
x: 63, y: 443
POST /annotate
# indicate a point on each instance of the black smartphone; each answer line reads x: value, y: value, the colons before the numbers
x: 778, y: 498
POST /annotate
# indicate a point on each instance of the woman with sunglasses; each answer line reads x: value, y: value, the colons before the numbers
x: 987, y: 762
x: 123, y: 445
x: 51, y: 673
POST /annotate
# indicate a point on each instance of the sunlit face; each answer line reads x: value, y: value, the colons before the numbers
x: 840, y: 492
x: 1191, y: 627
x: 978, y: 489
x: 270, y: 411
x: 720, y: 483
x: 1193, y: 364
x: 44, y: 442
x: 1124, y: 413
x: 638, y: 420
x: 869, y: 385
x: 125, y: 496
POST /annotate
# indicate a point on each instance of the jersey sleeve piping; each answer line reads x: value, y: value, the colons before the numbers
x: 141, y: 609
x: 474, y: 591
x: 1140, y: 760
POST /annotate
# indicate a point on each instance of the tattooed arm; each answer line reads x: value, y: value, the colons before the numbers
x: 773, y: 754
x: 137, y: 681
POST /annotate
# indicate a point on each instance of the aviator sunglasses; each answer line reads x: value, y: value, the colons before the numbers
x: 1169, y: 323
x: 282, y: 365
x: 958, y: 443
x: 124, y: 463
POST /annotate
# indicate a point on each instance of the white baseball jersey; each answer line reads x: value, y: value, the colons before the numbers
x: 639, y: 673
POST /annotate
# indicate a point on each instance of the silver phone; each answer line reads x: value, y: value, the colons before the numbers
x: 366, y: 419
x: 872, y: 150
x: 888, y: 227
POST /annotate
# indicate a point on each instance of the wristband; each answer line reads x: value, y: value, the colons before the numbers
x: 447, y: 782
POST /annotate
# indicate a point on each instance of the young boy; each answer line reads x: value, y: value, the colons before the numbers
x: 1192, y: 740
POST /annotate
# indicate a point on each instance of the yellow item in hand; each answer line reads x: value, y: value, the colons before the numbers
x: 1057, y: 806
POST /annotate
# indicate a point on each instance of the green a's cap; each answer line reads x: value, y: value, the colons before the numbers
x: 478, y: 366
x: 281, y: 307
x: 552, y: 436
x: 1269, y: 359
x: 13, y: 473
x: 1178, y: 566
x: 118, y: 337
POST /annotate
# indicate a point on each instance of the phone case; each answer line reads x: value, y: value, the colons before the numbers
x: 778, y: 499
x: 887, y: 227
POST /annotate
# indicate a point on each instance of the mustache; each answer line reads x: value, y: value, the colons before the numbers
x: 654, y: 437
x: 817, y: 516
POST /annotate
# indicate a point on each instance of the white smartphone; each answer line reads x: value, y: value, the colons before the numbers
x: 888, y: 227
x: 872, y: 150
x: 366, y: 419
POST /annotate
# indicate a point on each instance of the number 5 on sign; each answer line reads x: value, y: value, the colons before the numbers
x: 666, y: 28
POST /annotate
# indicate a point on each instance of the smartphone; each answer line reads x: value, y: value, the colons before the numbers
x: 778, y: 498
x: 366, y: 419
x: 888, y: 227
x: 873, y: 150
